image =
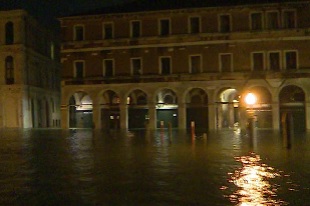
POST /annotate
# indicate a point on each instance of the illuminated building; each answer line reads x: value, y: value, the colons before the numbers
x: 30, y: 82
x: 123, y: 69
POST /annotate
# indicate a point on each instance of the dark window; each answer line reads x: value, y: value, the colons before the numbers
x: 108, y: 68
x: 194, y: 25
x: 225, y: 23
x: 256, y: 21
x: 136, y: 66
x: 291, y: 60
x: 9, y: 70
x: 258, y: 61
x: 108, y: 31
x: 164, y: 27
x: 272, y: 20
x: 79, y: 33
x: 9, y: 33
x: 195, y: 64
x: 165, y: 65
x: 226, y: 62
x: 135, y: 29
x: 274, y: 61
x: 79, y: 69
x: 289, y: 19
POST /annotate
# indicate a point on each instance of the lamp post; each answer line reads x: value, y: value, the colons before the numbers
x: 250, y: 100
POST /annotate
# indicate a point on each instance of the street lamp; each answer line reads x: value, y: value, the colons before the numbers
x: 250, y: 99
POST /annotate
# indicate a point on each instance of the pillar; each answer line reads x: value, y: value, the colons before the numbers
x: 182, y: 116
x: 96, y: 116
x: 64, y: 117
x: 275, y: 116
x: 152, y: 116
x: 123, y: 116
x: 212, y: 117
x: 307, y: 108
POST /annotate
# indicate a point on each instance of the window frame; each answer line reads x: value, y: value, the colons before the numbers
x: 220, y: 23
x: 284, y: 22
x: 160, y: 29
x: 278, y: 20
x: 285, y: 60
x: 161, y: 64
x: 75, y: 33
x: 132, y: 66
x: 221, y: 64
x: 104, y: 33
x: 252, y: 60
x: 75, y: 68
x: 190, y: 63
x: 190, y: 24
x: 132, y: 28
x: 251, y: 20
x: 280, y: 60
x: 104, y: 69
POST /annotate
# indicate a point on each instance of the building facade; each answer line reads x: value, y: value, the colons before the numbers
x: 29, y: 68
x: 154, y: 68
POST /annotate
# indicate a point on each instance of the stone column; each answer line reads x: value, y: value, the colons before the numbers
x: 182, y: 116
x: 307, y: 108
x: 123, y: 116
x: 64, y: 117
x: 275, y: 116
x: 152, y: 116
x: 96, y: 116
x: 212, y: 118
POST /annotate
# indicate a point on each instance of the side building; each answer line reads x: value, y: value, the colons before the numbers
x: 29, y: 68
x: 135, y: 69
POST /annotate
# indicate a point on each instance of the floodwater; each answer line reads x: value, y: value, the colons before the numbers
x: 85, y: 167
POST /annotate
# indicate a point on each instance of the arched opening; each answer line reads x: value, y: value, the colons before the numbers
x: 80, y: 111
x: 110, y: 112
x: 9, y: 33
x: 262, y: 109
x: 137, y: 110
x: 167, y: 108
x: 227, y: 112
x: 292, y: 100
x: 9, y: 70
x: 197, y: 109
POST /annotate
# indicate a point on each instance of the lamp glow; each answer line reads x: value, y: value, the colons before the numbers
x: 250, y: 99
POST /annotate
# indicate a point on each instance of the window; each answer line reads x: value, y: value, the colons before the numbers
x: 165, y: 65
x: 79, y: 69
x: 274, y: 61
x: 135, y: 27
x: 256, y: 21
x: 108, y: 31
x: 136, y: 66
x: 9, y: 70
x: 108, y: 67
x: 225, y: 23
x: 164, y: 27
x: 194, y: 25
x: 272, y: 20
x: 79, y: 33
x: 225, y: 62
x: 258, y: 61
x: 291, y: 60
x: 289, y: 19
x: 9, y: 33
x: 195, y: 64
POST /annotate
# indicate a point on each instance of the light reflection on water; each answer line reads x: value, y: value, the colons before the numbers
x: 253, y: 182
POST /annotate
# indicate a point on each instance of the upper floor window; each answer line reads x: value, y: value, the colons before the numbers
x: 79, y: 67
x: 164, y: 27
x: 136, y: 66
x: 9, y: 33
x: 224, y: 23
x: 195, y: 64
x: 226, y: 63
x: 290, y: 60
x: 258, y: 61
x: 78, y: 33
x: 135, y: 29
x: 165, y: 65
x: 274, y: 61
x: 272, y: 20
x: 108, y: 67
x: 256, y: 21
x: 108, y: 32
x: 194, y: 25
x: 9, y: 70
x: 289, y: 19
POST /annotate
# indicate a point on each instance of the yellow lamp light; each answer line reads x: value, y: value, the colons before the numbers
x: 250, y: 99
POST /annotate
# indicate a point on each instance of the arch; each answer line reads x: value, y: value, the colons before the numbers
x: 9, y: 70
x: 292, y: 101
x: 9, y: 33
x: 137, y: 109
x: 137, y: 97
x: 80, y: 110
x: 110, y: 112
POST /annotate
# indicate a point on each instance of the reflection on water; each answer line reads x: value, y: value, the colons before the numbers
x: 253, y: 182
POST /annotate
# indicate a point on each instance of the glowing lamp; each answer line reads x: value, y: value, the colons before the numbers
x: 250, y: 99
